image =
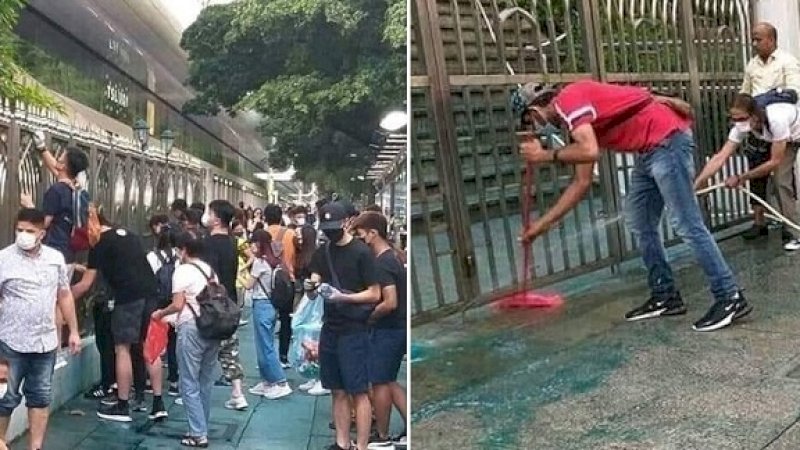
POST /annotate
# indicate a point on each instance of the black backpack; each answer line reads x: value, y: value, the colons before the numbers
x: 164, y: 276
x: 219, y: 315
x: 281, y: 293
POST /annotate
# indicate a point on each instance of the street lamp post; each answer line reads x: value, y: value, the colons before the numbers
x: 142, y: 133
x: 167, y: 141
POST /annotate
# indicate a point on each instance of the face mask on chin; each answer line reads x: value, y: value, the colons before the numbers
x: 743, y: 126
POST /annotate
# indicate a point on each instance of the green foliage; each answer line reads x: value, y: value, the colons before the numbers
x: 320, y: 72
x: 14, y: 83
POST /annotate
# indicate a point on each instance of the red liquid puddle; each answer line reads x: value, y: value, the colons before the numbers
x: 529, y: 300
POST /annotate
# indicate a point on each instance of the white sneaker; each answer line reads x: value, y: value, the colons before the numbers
x: 307, y: 385
x: 179, y: 401
x: 237, y: 403
x: 61, y: 360
x: 792, y: 245
x: 383, y: 445
x: 318, y: 389
x: 259, y: 389
x: 277, y: 391
x: 286, y: 365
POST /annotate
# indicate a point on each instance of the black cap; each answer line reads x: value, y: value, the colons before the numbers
x: 332, y: 216
x: 349, y: 209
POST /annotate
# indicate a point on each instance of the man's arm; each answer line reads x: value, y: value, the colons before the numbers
x: 371, y: 294
x: 581, y: 183
x: 66, y: 303
x: 715, y: 164
x: 792, y: 75
x: 584, y: 147
x: 389, y: 303
x: 178, y: 302
x: 747, y: 84
x: 778, y: 153
x: 82, y: 287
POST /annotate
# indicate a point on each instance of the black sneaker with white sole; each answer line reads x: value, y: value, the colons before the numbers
x: 173, y: 390
x: 658, y: 307
x: 116, y: 412
x: 723, y: 313
x: 158, y: 413
x: 110, y: 399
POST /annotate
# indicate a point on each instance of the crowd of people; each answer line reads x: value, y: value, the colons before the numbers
x: 271, y: 261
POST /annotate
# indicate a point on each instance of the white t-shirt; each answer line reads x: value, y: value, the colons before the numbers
x: 784, y: 125
x: 191, y: 282
x: 261, y: 266
x: 155, y: 263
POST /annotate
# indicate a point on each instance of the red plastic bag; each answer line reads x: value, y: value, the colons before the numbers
x: 156, y: 340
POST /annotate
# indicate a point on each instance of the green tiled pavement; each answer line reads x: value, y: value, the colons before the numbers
x: 582, y: 378
x: 297, y: 422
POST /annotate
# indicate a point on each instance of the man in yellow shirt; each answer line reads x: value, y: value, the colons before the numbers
x: 769, y: 69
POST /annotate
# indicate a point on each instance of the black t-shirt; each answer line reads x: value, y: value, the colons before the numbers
x: 355, y: 268
x: 221, y: 256
x: 57, y: 202
x: 122, y: 261
x: 392, y: 273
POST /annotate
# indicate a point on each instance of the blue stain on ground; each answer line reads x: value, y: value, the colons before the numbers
x: 508, y: 392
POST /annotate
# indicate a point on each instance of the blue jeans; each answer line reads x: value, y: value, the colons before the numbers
x: 197, y: 370
x: 665, y: 177
x: 34, y: 372
x: 264, y: 318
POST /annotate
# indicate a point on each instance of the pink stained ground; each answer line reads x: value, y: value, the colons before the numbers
x: 529, y: 299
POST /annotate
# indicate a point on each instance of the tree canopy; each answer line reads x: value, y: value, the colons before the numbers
x: 320, y: 72
x: 14, y: 82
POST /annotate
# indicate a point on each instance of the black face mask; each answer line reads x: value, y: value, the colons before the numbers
x: 334, y: 235
x: 239, y: 234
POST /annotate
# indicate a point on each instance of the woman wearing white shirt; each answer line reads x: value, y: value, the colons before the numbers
x: 197, y: 356
x: 165, y: 252
x: 273, y: 383
x: 778, y: 124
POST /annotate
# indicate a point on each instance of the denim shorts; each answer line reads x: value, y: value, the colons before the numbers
x: 387, y: 346
x: 34, y: 373
x: 344, y: 361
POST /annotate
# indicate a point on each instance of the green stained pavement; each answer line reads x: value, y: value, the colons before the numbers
x: 580, y: 377
x: 297, y: 422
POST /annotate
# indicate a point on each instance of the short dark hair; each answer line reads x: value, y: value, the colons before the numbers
x: 194, y: 216
x: 158, y: 219
x: 299, y: 209
x: 372, y: 221
x: 373, y: 208
x: 31, y: 215
x: 224, y: 210
x: 77, y: 161
x: 178, y: 204
x: 273, y: 214
x: 198, y: 205
x: 193, y: 246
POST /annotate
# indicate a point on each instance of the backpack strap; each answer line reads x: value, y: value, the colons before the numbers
x: 331, y: 269
x: 160, y: 257
x: 209, y: 278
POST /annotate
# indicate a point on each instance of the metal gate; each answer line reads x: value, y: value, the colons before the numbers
x: 465, y: 171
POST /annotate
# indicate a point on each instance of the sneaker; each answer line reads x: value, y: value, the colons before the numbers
x: 307, y: 385
x: 786, y: 235
x: 277, y: 391
x: 222, y: 382
x: 242, y: 322
x: 286, y: 365
x: 723, y: 313
x: 158, y: 413
x: 237, y: 403
x: 656, y: 308
x: 401, y: 441
x: 61, y: 360
x: 148, y: 389
x: 96, y: 393
x: 756, y: 232
x: 378, y: 443
x: 173, y: 390
x: 115, y: 412
x: 792, y: 245
x: 179, y: 401
x: 110, y: 399
x: 138, y: 404
x: 318, y: 389
x: 259, y: 389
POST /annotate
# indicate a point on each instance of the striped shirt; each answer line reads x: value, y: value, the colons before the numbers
x: 29, y: 288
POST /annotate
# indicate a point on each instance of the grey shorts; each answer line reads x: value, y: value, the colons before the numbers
x: 128, y: 322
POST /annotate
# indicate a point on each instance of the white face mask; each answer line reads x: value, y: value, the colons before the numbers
x: 206, y: 220
x: 742, y: 127
x: 26, y: 241
x: 81, y: 179
x: 300, y: 221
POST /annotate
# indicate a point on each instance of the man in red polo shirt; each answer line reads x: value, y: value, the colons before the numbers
x: 658, y: 131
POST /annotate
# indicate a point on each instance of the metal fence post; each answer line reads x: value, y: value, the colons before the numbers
x: 12, y: 201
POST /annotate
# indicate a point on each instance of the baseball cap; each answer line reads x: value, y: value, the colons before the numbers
x: 332, y: 216
x: 531, y: 94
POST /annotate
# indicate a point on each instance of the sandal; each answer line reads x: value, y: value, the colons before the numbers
x: 193, y: 441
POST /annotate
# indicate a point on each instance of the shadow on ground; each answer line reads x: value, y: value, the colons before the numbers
x: 297, y: 422
x: 583, y: 378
